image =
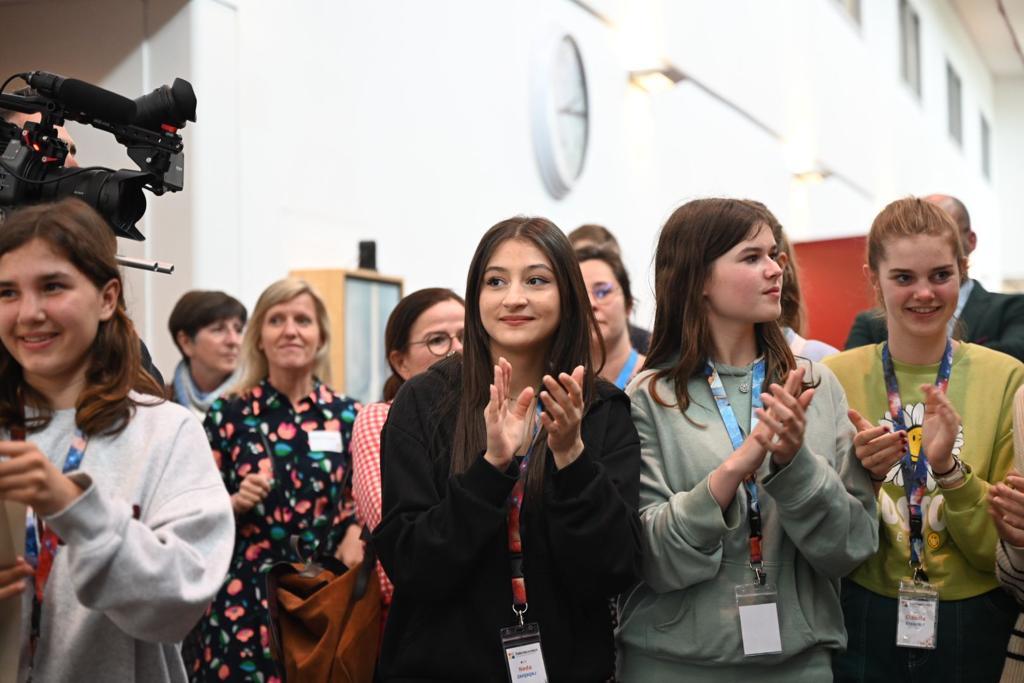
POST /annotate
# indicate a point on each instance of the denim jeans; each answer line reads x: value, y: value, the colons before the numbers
x: 972, y: 639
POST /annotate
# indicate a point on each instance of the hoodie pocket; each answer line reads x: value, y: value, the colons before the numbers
x: 700, y: 623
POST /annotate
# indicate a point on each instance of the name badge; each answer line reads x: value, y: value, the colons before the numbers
x: 329, y: 442
x: 917, y: 615
x: 759, y: 619
x: 523, y: 655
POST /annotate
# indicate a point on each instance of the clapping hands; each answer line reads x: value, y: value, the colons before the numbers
x: 1006, y: 506
x: 877, y: 448
x: 784, y: 417
x: 507, y: 419
x: 563, y: 413
x: 939, y: 428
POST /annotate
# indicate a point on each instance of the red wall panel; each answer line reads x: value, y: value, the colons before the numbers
x: 833, y: 286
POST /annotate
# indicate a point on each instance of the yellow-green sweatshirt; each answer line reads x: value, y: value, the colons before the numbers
x: 959, y: 536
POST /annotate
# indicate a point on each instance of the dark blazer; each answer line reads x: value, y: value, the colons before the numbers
x: 989, y: 319
x: 639, y: 338
x: 443, y: 541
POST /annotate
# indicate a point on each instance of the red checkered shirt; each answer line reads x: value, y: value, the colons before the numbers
x: 366, y: 474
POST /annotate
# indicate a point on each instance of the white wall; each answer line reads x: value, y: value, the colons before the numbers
x: 1008, y: 170
x: 424, y: 109
x: 325, y: 123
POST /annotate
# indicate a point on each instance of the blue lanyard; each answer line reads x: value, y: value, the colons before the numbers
x: 736, y: 437
x: 76, y: 451
x: 627, y: 370
x: 914, y: 468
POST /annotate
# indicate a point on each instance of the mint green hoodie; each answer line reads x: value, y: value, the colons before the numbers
x: 819, y: 523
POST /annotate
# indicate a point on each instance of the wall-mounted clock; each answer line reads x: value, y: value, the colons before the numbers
x: 561, y: 113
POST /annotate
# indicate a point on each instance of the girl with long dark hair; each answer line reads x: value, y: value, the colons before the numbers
x: 510, y: 482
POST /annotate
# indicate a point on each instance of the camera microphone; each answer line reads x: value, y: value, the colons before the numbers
x: 84, y: 97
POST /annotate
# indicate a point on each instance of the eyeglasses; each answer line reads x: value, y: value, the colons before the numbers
x: 602, y: 290
x: 439, y: 343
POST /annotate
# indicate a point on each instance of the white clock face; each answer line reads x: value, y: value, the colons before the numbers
x: 569, y: 87
x: 560, y: 114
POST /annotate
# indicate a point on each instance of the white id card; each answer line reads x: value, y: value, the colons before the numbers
x: 759, y: 619
x: 917, y: 615
x: 523, y: 654
x: 321, y: 441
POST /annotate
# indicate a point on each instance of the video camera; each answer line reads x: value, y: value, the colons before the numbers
x: 32, y: 158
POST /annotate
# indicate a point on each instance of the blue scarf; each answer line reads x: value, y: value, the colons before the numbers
x: 186, y: 392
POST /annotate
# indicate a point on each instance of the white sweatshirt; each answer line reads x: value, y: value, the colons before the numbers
x: 146, y: 547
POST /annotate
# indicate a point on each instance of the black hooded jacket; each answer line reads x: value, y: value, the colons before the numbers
x: 443, y: 543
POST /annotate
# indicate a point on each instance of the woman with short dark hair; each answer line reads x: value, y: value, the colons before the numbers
x: 207, y: 329
x: 612, y: 301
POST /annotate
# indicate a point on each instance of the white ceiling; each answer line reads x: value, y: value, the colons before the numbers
x: 993, y: 25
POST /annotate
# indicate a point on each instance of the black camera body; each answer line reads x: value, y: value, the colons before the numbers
x: 32, y: 156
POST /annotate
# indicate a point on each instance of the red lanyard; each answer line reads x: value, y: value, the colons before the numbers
x: 515, y: 540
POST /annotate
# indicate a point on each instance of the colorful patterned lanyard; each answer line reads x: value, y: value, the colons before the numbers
x: 915, y: 472
x: 515, y: 541
x: 41, y: 542
x: 627, y: 370
x: 736, y: 437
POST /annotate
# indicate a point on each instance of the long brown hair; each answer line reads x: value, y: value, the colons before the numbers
x: 694, y: 236
x: 569, y: 348
x: 73, y: 230
x: 793, y: 310
x: 400, y: 323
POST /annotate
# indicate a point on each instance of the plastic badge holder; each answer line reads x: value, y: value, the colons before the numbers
x: 523, y: 654
x: 917, y: 615
x: 759, y: 619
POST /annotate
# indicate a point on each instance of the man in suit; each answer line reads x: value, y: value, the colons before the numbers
x: 987, y: 318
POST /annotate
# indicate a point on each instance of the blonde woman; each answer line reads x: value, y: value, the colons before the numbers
x: 281, y: 441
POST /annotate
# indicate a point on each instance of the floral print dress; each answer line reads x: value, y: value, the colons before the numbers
x: 233, y: 640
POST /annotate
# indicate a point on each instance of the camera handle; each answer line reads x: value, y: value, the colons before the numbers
x: 146, y: 264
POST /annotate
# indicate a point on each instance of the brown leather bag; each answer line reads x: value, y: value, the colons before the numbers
x: 325, y: 619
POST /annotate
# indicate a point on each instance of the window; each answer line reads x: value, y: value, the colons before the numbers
x: 986, y: 148
x: 953, y: 104
x: 910, y: 47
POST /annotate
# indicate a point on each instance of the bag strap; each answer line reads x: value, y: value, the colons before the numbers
x: 273, y: 615
x: 367, y: 573
x: 367, y: 570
